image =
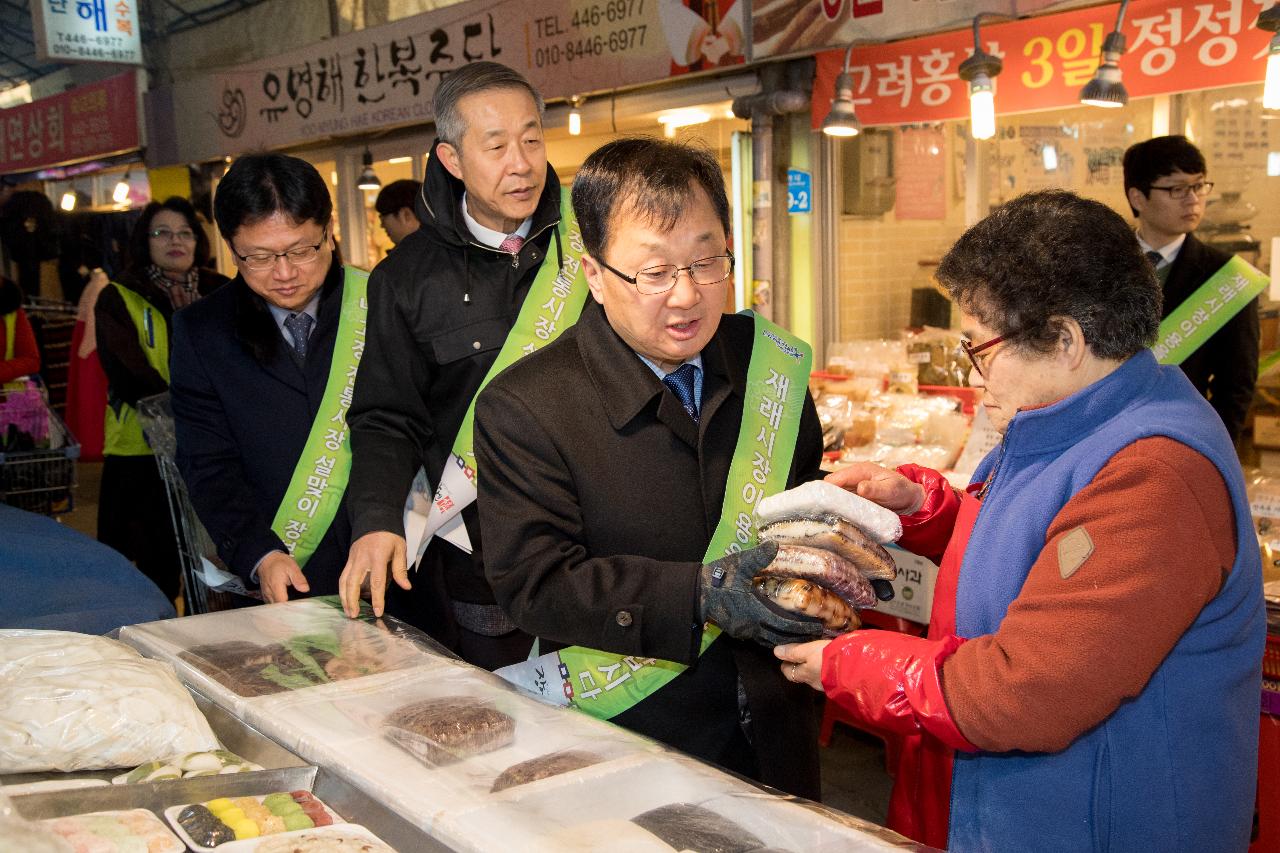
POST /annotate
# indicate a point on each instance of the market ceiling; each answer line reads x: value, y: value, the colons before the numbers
x: 18, y: 62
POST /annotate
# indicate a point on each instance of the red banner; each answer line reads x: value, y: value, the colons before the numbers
x: 88, y: 121
x: 1173, y: 46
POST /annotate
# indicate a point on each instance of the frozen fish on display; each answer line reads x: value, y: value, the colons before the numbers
x: 688, y: 827
x: 544, y: 767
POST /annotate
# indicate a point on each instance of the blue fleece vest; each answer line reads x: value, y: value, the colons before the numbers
x: 1174, y: 768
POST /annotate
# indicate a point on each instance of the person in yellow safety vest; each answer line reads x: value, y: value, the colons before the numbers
x: 167, y: 252
x: 17, y: 341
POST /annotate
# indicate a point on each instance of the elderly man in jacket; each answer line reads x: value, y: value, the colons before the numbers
x: 441, y: 308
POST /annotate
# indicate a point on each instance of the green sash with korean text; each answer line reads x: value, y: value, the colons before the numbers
x: 1207, y: 310
x: 554, y: 303
x: 320, y: 477
x: 604, y: 684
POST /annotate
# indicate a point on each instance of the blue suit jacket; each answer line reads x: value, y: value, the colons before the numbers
x: 243, y: 407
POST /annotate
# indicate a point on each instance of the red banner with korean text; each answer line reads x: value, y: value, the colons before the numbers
x: 93, y: 120
x: 1173, y: 46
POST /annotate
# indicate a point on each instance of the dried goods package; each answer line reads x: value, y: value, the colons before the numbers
x: 282, y: 648
x: 108, y: 708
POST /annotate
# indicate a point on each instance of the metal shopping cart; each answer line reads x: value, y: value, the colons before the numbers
x: 37, y: 452
x: 202, y: 569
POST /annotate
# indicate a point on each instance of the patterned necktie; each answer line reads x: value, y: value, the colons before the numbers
x: 299, y: 326
x: 681, y: 382
x: 1156, y: 258
x: 512, y: 244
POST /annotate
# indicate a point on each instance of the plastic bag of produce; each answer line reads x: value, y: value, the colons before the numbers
x: 106, y: 707
x: 21, y: 648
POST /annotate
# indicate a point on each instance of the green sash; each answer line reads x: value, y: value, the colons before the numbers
x: 553, y: 304
x: 320, y: 478
x: 1207, y: 310
x: 10, y: 330
x: 604, y: 684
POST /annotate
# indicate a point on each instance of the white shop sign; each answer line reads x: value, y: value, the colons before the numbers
x: 86, y: 31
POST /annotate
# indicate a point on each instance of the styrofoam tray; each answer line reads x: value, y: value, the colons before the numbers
x: 172, y: 812
x: 158, y: 832
x: 348, y: 830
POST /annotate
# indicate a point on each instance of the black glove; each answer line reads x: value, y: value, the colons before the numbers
x: 731, y: 600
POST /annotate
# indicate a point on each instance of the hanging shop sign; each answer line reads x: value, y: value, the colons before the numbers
x: 1173, y: 46
x: 86, y: 31
x: 385, y: 76
x: 88, y: 121
x: 781, y: 27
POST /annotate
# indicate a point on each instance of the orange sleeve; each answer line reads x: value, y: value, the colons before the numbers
x: 26, y: 355
x: 1084, y: 635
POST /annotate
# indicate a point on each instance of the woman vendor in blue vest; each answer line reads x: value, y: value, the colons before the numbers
x: 167, y: 252
x: 1091, y: 675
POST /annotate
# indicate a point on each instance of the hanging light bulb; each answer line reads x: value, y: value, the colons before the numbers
x: 1105, y: 89
x: 120, y: 194
x: 843, y: 120
x: 368, y: 179
x: 1269, y: 20
x: 979, y: 71
x: 575, y: 116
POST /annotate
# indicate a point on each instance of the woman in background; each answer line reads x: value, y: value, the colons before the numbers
x: 167, y: 252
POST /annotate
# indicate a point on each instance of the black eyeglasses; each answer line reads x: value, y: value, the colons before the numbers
x: 1179, y: 191
x: 972, y: 351
x: 651, y: 281
x: 297, y: 257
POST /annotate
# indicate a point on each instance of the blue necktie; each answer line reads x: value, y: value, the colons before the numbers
x: 681, y: 382
x: 299, y: 326
x: 1155, y: 258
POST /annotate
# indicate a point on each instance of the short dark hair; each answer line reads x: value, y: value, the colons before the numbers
x: 258, y: 185
x: 650, y: 175
x: 468, y: 80
x: 1147, y: 162
x: 140, y: 241
x: 1053, y: 254
x: 396, y: 196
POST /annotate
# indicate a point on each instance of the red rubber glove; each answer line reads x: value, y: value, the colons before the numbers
x: 893, y: 683
x: 928, y: 530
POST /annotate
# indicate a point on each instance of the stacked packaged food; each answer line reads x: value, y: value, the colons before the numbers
x: 894, y: 402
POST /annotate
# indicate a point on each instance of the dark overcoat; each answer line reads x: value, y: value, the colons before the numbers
x: 598, y: 498
x: 243, y: 406
x: 1225, y: 368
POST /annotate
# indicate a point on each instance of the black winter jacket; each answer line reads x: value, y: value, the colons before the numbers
x: 440, y: 308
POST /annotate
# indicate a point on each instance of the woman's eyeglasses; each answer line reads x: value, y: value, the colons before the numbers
x: 165, y: 235
x: 972, y: 351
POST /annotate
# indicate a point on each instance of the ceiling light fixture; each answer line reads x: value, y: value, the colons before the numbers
x: 980, y: 71
x: 368, y: 179
x: 120, y: 195
x: 842, y: 120
x: 1105, y: 89
x: 575, y: 116
x: 676, y: 119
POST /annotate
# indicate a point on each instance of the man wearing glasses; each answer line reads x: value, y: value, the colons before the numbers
x: 607, y: 463
x: 1166, y: 185
x: 261, y: 378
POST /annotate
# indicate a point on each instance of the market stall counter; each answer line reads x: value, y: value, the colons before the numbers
x: 393, y: 733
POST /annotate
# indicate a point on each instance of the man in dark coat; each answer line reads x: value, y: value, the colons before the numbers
x: 440, y: 307
x: 249, y: 368
x: 1165, y: 180
x: 603, y: 461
